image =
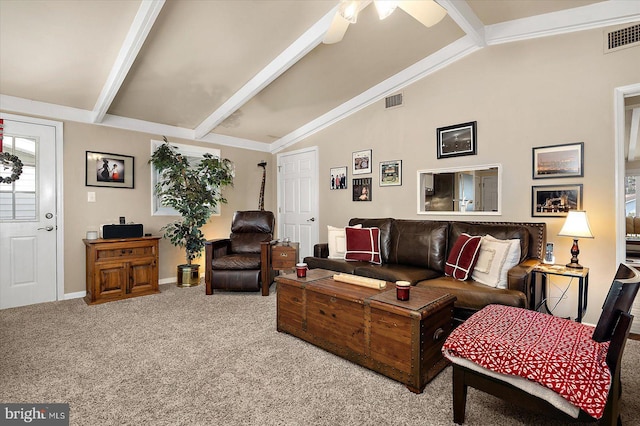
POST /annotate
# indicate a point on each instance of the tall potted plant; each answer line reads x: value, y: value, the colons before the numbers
x: 194, y: 191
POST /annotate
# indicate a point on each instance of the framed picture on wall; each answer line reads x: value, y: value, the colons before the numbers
x: 391, y: 173
x: 555, y: 200
x: 362, y: 189
x: 338, y: 177
x: 361, y: 162
x: 457, y: 140
x: 108, y: 170
x: 558, y: 161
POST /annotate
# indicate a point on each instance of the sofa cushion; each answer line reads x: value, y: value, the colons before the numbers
x: 337, y: 265
x: 474, y: 296
x: 462, y: 257
x: 337, y: 241
x: 363, y: 244
x: 495, y: 259
x: 419, y: 243
x: 384, y: 225
x: 394, y: 272
x: 498, y: 230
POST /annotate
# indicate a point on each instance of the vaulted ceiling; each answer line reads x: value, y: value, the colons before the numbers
x: 253, y: 74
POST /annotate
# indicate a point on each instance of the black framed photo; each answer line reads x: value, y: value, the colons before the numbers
x: 558, y: 161
x: 362, y: 189
x: 109, y: 170
x: 338, y: 177
x: 391, y: 173
x: 457, y: 140
x: 361, y: 162
x: 555, y: 200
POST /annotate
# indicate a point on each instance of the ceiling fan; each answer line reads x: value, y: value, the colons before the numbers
x: 427, y: 12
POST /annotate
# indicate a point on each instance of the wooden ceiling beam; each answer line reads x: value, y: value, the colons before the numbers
x: 138, y: 32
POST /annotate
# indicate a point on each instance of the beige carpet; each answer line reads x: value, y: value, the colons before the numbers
x: 184, y: 358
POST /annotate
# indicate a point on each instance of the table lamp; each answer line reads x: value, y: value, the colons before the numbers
x: 576, y: 226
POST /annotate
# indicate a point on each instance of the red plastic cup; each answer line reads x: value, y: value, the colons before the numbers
x: 402, y: 290
x: 301, y: 270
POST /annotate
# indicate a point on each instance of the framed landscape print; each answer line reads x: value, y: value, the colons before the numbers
x: 558, y: 161
x: 391, y: 173
x: 555, y: 200
x: 457, y: 140
x: 109, y: 170
x: 338, y: 177
x: 361, y: 162
x: 362, y: 189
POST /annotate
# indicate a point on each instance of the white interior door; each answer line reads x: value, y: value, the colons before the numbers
x: 298, y: 198
x: 28, y: 226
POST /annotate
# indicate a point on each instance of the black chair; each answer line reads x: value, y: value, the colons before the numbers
x: 238, y: 263
x: 613, y: 326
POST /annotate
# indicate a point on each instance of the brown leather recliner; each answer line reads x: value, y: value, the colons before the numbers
x: 236, y: 263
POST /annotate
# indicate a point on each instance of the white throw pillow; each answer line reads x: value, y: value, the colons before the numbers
x: 494, y: 261
x: 337, y: 241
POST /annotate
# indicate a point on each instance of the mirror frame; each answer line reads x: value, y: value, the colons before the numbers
x: 453, y: 170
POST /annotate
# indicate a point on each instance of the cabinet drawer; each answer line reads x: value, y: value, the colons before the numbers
x: 124, y: 252
x: 283, y: 257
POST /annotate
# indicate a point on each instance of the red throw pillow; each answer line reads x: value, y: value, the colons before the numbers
x: 463, y: 257
x: 363, y: 244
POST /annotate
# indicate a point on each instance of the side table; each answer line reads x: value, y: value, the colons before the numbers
x: 280, y: 256
x: 544, y: 272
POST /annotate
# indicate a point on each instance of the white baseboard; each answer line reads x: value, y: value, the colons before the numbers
x: 76, y: 295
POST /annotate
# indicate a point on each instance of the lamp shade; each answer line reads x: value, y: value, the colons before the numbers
x: 576, y: 225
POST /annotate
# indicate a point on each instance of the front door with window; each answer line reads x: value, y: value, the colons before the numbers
x: 28, y: 217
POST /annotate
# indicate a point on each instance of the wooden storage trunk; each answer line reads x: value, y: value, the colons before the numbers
x: 401, y: 340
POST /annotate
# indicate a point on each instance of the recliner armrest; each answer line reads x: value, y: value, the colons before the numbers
x: 321, y: 250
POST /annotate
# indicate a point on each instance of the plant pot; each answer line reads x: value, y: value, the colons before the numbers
x: 188, y: 275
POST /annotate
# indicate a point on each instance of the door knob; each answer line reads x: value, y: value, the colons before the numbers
x: 47, y: 228
x: 313, y: 219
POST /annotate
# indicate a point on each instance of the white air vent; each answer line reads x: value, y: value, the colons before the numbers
x: 393, y: 101
x: 621, y: 38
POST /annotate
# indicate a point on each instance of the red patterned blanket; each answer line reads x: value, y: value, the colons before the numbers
x: 554, y: 352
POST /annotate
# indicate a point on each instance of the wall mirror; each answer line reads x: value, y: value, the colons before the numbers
x: 475, y: 190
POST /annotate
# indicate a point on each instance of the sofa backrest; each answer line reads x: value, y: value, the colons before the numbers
x: 385, y: 233
x: 419, y: 243
x: 532, y: 236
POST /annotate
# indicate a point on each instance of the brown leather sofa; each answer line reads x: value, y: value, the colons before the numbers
x: 416, y: 251
x: 235, y: 263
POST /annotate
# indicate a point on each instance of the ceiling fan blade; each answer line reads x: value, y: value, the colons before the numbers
x: 427, y: 12
x: 336, y: 30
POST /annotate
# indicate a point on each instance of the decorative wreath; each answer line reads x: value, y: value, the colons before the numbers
x: 13, y: 162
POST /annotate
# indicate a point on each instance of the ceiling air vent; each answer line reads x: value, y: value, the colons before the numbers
x: 393, y: 101
x: 622, y: 38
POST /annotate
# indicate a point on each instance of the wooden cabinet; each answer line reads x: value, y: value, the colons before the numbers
x: 119, y: 269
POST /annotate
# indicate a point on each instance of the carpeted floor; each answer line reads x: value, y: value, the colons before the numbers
x: 184, y: 358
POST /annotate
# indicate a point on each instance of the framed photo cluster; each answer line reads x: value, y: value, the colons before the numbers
x: 557, y: 161
x: 390, y: 174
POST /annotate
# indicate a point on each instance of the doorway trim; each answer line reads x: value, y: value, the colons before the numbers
x: 58, y: 126
x: 619, y: 95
